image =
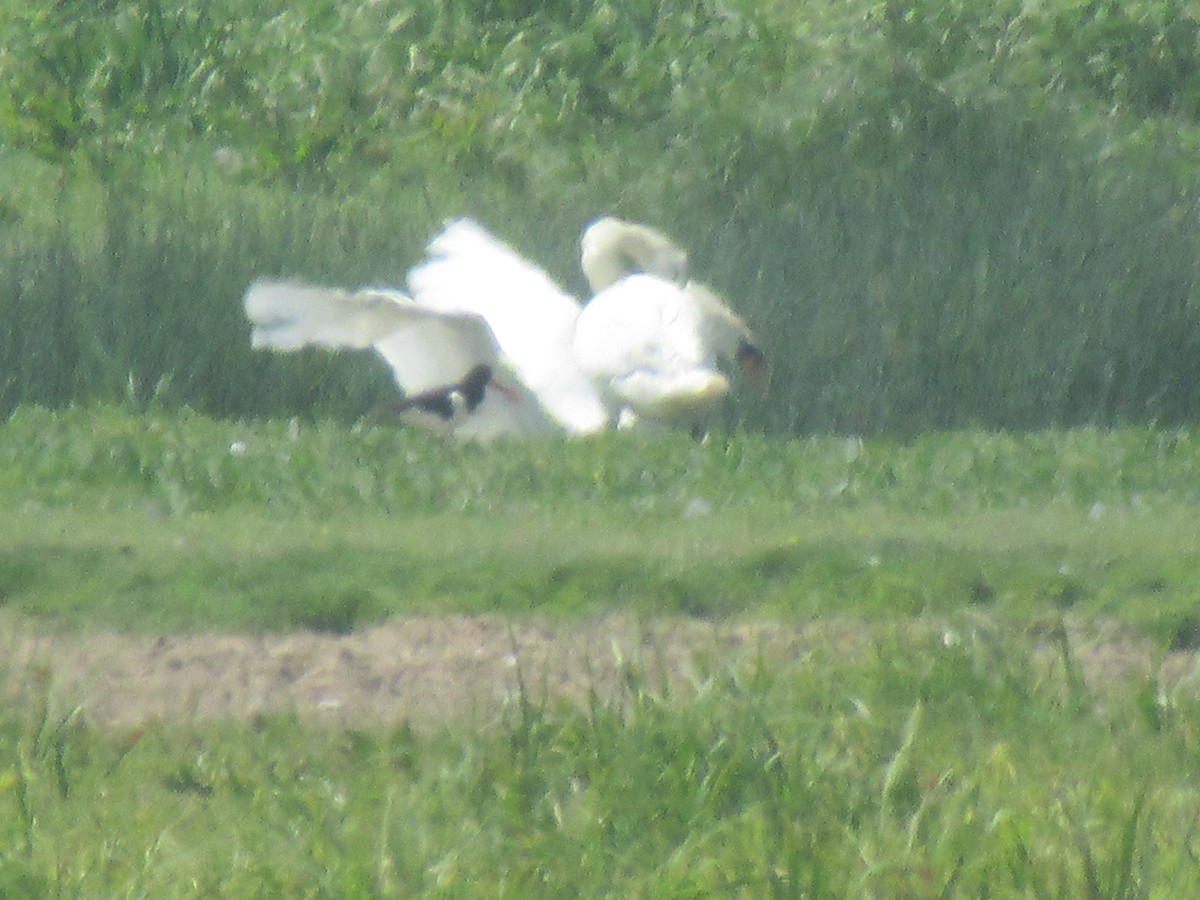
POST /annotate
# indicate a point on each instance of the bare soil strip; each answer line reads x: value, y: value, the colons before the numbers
x: 434, y: 669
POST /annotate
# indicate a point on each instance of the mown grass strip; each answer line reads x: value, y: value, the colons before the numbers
x: 245, y: 568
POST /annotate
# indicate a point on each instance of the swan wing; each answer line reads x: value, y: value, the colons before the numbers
x: 468, y: 270
x: 425, y: 348
x: 288, y: 315
x: 436, y: 348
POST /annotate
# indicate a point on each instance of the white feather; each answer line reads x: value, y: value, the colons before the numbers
x: 655, y: 349
x: 531, y: 318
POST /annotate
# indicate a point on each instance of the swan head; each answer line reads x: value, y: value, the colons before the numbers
x: 612, y: 248
x: 730, y: 337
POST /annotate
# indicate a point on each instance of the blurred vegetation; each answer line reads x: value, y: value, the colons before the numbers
x: 935, y: 214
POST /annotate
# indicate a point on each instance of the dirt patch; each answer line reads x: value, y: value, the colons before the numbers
x: 428, y: 669
x: 423, y: 668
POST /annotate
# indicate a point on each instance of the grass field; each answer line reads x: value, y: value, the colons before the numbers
x: 962, y: 744
x: 967, y: 232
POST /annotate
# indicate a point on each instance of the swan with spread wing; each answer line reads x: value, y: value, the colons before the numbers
x: 645, y: 349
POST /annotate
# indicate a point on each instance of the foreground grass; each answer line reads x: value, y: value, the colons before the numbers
x: 914, y: 769
x: 920, y: 762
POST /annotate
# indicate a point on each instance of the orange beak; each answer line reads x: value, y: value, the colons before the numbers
x: 511, y: 394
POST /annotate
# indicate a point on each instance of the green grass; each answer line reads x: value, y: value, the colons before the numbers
x: 915, y: 769
x: 937, y: 216
x: 253, y: 570
x: 936, y: 739
x: 274, y: 526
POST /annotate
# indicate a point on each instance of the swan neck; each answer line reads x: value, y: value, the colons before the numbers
x: 613, y: 249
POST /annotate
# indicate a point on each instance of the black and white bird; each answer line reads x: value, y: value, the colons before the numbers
x: 440, y: 409
x: 646, y: 349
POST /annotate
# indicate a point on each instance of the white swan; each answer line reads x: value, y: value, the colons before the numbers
x: 644, y: 349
